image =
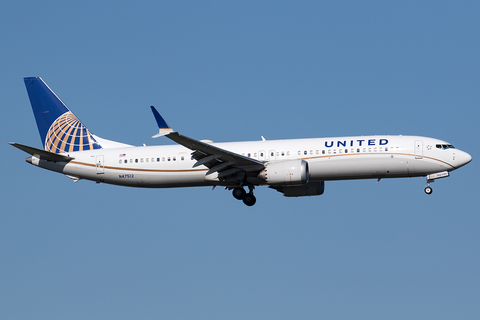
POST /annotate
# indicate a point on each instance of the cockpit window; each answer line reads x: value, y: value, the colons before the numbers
x: 444, y: 146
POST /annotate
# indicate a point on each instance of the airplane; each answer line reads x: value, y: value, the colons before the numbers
x: 294, y: 167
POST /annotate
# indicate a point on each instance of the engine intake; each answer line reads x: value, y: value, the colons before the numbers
x: 285, y: 173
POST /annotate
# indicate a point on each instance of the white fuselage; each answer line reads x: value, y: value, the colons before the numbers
x: 343, y: 158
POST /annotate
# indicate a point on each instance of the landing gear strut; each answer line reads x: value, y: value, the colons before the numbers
x: 248, y: 198
x: 428, y: 189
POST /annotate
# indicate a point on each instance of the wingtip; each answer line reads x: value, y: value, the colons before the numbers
x: 160, y: 121
x: 163, y: 127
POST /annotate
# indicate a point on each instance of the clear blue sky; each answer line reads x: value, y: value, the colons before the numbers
x: 231, y: 71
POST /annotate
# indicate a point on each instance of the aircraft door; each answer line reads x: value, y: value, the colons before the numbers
x: 99, y: 163
x: 418, y: 149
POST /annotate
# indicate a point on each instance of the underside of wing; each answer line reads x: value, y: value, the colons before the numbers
x: 218, y: 160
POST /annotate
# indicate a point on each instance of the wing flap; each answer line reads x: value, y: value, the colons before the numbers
x: 216, y: 159
x: 221, y: 155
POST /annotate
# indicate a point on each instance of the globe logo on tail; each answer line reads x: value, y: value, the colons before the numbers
x: 67, y: 134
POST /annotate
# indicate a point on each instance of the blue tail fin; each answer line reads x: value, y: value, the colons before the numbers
x: 59, y: 129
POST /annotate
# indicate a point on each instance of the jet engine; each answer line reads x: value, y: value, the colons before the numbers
x: 285, y: 173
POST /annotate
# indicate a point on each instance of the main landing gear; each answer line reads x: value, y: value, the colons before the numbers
x: 248, y: 198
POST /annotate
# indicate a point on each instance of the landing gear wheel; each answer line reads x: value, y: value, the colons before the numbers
x: 239, y: 193
x: 428, y: 190
x: 249, y: 199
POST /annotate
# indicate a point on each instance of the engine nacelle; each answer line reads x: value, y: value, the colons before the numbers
x: 285, y: 173
x: 310, y: 189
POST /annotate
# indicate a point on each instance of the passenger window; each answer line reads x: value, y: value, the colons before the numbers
x: 125, y: 161
x: 358, y: 150
x: 183, y: 158
x: 299, y: 153
x: 120, y: 161
x: 136, y: 160
x: 323, y: 151
x: 305, y: 152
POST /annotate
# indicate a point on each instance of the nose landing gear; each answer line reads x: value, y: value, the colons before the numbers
x: 431, y: 178
x: 248, y: 198
x: 428, y: 189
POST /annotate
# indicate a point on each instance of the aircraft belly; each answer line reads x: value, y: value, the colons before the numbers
x: 135, y: 177
x: 358, y: 167
x: 80, y: 170
x: 52, y: 165
x: 174, y: 179
x: 152, y: 179
x: 426, y: 166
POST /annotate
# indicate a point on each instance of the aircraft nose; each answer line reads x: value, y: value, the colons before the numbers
x: 463, y: 158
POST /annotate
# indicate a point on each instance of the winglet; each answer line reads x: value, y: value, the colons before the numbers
x: 163, y: 127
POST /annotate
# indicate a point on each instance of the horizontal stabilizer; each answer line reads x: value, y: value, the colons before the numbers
x: 41, y: 154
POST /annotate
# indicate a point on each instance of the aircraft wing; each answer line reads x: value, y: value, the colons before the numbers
x: 41, y: 154
x: 216, y: 159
